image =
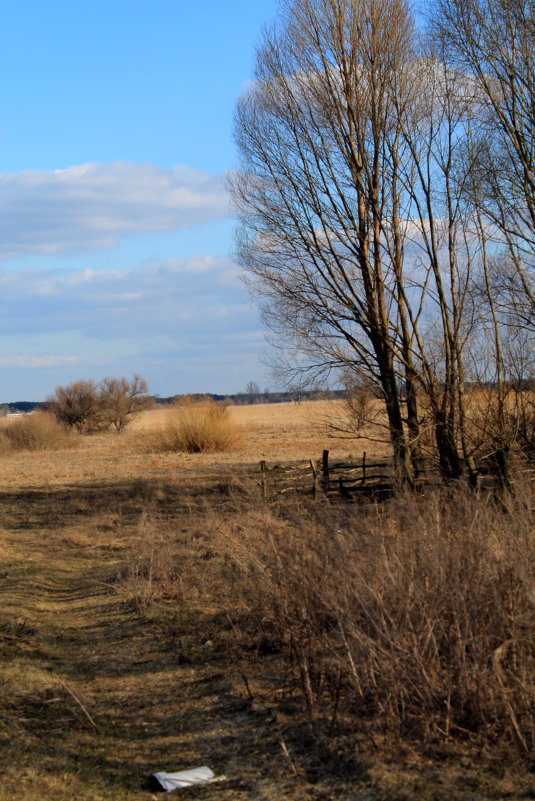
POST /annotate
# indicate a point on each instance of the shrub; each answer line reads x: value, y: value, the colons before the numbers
x: 75, y: 405
x: 197, y: 428
x: 35, y: 432
x: 88, y: 407
x: 419, y: 616
x: 121, y: 400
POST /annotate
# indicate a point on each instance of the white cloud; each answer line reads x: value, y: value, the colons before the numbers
x: 92, y: 206
x: 187, y: 325
x: 106, y: 302
x: 37, y: 361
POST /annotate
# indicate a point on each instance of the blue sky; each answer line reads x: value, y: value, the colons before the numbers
x: 115, y: 229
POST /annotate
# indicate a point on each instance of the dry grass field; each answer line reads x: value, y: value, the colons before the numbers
x: 274, y: 432
x: 156, y: 614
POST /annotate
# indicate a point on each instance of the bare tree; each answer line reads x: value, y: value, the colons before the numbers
x: 120, y: 400
x: 447, y: 247
x: 75, y: 405
x: 317, y: 133
x: 493, y: 41
x: 252, y: 388
x: 357, y: 234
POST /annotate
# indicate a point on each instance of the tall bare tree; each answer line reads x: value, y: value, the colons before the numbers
x: 320, y: 140
x: 357, y: 233
x: 436, y: 121
x: 493, y: 42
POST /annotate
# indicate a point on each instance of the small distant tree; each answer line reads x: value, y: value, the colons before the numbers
x: 121, y: 400
x: 76, y: 405
x: 87, y: 406
x: 252, y: 388
x: 361, y: 402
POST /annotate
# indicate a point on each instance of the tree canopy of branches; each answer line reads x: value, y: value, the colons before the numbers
x: 87, y: 406
x: 121, y: 400
x: 492, y: 41
x: 75, y: 405
x: 365, y: 222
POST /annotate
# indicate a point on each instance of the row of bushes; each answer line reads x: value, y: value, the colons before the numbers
x: 194, y: 428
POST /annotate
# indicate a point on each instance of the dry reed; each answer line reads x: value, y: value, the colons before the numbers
x: 196, y: 428
x: 421, y: 614
x: 34, y: 432
x: 418, y: 617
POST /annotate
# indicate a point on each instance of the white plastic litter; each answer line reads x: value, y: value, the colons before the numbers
x: 187, y: 778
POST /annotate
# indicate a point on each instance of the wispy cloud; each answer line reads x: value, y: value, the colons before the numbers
x: 47, y: 360
x: 186, y: 325
x: 92, y: 206
x: 201, y: 291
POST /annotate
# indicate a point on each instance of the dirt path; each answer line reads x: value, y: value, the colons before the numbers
x: 97, y: 692
x: 95, y: 695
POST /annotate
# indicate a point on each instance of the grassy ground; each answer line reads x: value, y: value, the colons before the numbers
x: 119, y: 658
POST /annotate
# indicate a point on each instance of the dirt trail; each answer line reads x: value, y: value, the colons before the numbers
x: 96, y: 696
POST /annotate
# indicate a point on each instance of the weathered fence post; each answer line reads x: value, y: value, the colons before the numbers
x: 263, y: 469
x: 315, y: 475
x: 325, y: 470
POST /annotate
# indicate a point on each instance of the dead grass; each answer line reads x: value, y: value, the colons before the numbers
x: 196, y: 428
x: 417, y: 618
x: 34, y: 432
x: 318, y: 651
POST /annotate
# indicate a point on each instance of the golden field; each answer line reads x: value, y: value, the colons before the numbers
x: 274, y: 432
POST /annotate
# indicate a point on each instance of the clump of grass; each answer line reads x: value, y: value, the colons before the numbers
x: 197, y: 428
x: 149, y: 573
x: 415, y: 619
x: 35, y: 432
x: 419, y: 616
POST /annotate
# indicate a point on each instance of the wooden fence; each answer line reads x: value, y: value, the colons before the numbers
x: 323, y: 478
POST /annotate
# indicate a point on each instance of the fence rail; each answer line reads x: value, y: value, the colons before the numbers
x: 370, y: 480
x: 322, y: 477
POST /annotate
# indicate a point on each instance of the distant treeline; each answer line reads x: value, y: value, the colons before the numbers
x: 244, y: 398
x: 240, y: 399
x: 20, y: 406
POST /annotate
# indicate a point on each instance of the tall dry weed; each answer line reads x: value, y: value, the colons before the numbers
x: 420, y: 615
x: 196, y: 428
x: 149, y: 573
x: 415, y: 618
x: 35, y: 432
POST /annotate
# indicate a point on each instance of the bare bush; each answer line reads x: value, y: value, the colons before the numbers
x: 421, y: 615
x: 120, y: 400
x: 36, y: 432
x: 88, y: 407
x: 75, y: 405
x: 364, y: 409
x: 197, y: 428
